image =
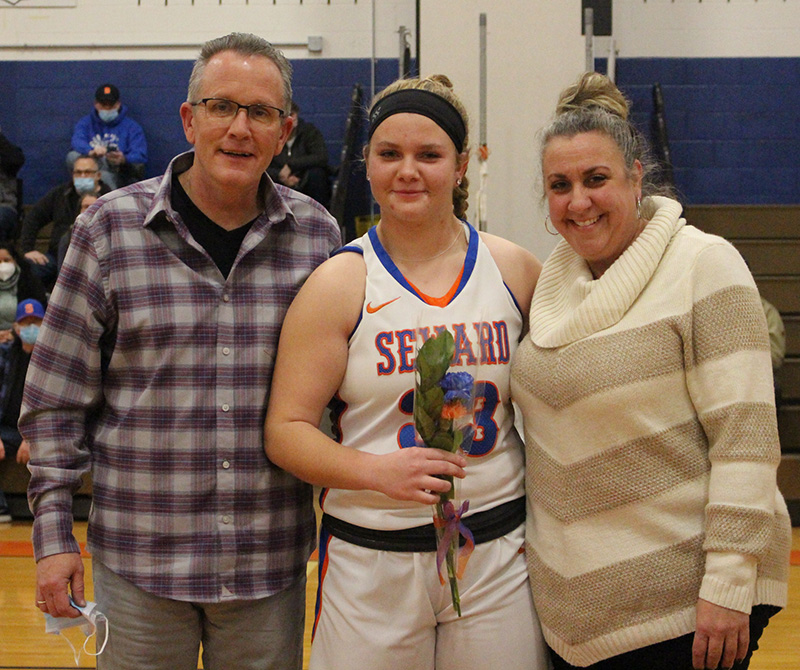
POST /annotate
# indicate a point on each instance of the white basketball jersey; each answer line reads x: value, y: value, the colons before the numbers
x: 375, y: 401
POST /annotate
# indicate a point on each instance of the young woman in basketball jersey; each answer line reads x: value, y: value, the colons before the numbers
x: 350, y: 336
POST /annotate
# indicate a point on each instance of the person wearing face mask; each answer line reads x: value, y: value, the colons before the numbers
x: 112, y: 137
x: 17, y: 282
x: 14, y: 359
x: 60, y: 205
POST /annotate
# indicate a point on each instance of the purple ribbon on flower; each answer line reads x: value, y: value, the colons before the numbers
x: 452, y: 525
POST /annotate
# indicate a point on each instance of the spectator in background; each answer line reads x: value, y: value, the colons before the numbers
x: 60, y: 205
x: 14, y: 359
x: 112, y: 137
x: 777, y: 344
x: 11, y: 160
x: 303, y: 163
x: 17, y: 282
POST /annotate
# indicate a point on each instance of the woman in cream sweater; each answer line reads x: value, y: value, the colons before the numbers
x: 656, y: 535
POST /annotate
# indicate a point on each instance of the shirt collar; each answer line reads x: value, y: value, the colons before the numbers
x: 275, y: 209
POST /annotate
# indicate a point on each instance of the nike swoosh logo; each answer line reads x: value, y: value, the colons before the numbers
x: 372, y: 310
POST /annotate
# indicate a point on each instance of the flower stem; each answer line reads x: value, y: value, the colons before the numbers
x: 452, y: 552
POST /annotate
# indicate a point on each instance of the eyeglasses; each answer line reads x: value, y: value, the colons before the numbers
x: 85, y: 173
x: 222, y: 108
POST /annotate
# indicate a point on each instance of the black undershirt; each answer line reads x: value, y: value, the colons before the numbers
x: 222, y: 245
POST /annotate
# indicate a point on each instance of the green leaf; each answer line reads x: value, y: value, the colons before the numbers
x: 433, y: 361
x: 426, y: 426
x: 425, y: 377
x: 442, y: 440
x: 434, y: 357
x: 433, y: 401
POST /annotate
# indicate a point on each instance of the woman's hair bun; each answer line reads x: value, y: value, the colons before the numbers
x: 593, y: 90
x: 442, y: 79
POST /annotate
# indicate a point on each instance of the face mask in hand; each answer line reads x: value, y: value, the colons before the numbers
x: 91, y: 620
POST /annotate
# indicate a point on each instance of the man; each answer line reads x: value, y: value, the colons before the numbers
x: 11, y: 160
x: 152, y: 369
x: 112, y: 137
x: 303, y: 163
x: 60, y: 205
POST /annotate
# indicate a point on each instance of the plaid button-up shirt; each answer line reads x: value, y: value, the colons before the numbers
x: 153, y: 370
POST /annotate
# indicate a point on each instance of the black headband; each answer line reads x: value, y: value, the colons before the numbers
x: 419, y: 101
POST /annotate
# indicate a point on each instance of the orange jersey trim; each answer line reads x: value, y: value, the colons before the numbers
x: 446, y: 298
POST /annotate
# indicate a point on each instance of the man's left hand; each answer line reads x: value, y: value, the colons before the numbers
x: 722, y: 636
x: 57, y: 577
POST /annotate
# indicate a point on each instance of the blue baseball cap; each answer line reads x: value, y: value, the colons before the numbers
x: 28, y: 308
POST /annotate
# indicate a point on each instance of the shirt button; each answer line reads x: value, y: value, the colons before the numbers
x: 226, y: 407
x: 226, y: 519
x: 226, y: 297
x: 226, y: 464
x: 226, y: 351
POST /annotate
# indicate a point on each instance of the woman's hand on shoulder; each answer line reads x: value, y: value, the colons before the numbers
x: 519, y: 268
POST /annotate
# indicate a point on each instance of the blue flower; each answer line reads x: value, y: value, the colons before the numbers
x: 457, y: 386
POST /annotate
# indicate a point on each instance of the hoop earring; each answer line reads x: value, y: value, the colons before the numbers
x: 546, y: 219
x: 638, y: 207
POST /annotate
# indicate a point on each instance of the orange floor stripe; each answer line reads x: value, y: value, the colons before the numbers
x: 25, y: 549
x: 795, y: 559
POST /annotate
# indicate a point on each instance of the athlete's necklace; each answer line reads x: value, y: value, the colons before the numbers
x: 395, y: 257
